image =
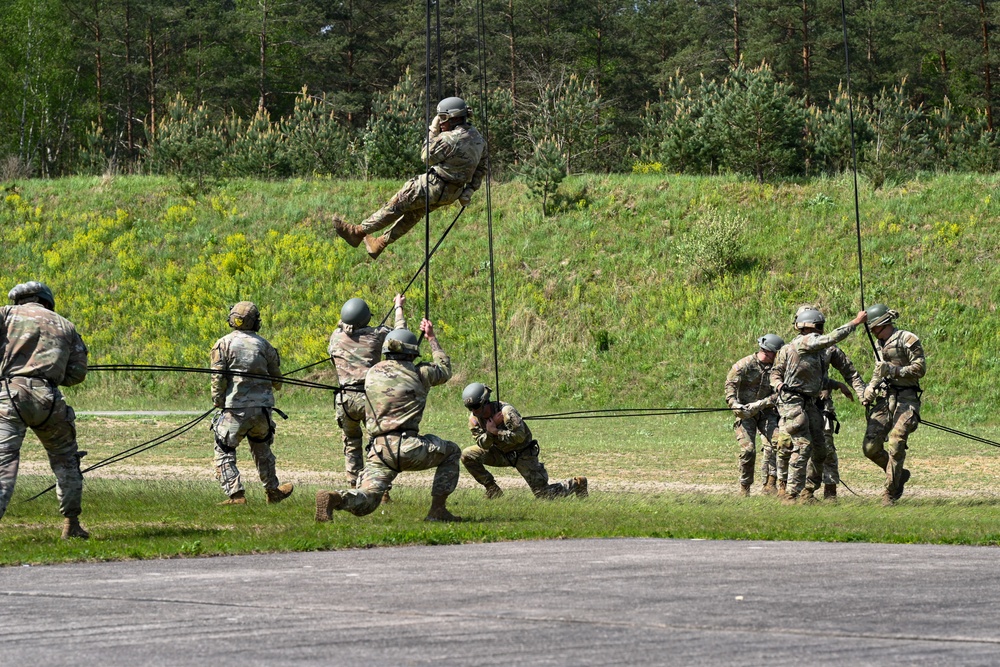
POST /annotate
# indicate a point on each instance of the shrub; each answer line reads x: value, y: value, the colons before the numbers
x: 717, y: 244
x: 545, y: 171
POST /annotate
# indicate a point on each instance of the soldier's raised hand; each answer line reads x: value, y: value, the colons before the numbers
x: 427, y: 328
x: 399, y: 300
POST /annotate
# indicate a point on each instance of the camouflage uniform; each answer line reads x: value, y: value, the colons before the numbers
x: 512, y: 446
x: 457, y: 160
x: 41, y: 351
x: 396, y: 395
x: 747, y: 383
x: 896, y: 414
x: 354, y: 350
x: 800, y: 371
x: 246, y: 404
x: 842, y: 363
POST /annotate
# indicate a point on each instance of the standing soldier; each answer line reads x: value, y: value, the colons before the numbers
x: 41, y: 351
x: 503, y: 439
x: 893, y: 398
x: 798, y: 376
x: 246, y: 404
x: 752, y: 400
x: 355, y: 347
x: 456, y: 156
x: 396, y: 394
x: 831, y: 466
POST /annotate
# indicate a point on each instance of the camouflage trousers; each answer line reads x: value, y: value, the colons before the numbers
x: 230, y: 428
x: 805, y: 444
x: 895, y: 417
x: 34, y: 403
x: 406, y: 208
x: 475, y: 459
x: 765, y: 423
x: 350, y: 417
x: 389, y: 455
x: 831, y: 466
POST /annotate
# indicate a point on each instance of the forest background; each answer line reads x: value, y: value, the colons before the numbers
x: 273, y: 88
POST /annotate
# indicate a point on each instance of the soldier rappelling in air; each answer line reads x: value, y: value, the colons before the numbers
x: 456, y: 158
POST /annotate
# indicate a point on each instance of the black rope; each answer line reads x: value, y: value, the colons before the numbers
x: 427, y: 172
x: 137, y: 449
x: 209, y: 371
x: 618, y: 413
x: 483, y: 93
x: 952, y: 431
x: 315, y: 363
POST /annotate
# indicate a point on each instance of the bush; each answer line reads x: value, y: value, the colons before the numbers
x: 717, y: 244
x: 545, y: 171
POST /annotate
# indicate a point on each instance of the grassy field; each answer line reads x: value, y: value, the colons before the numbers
x: 656, y: 477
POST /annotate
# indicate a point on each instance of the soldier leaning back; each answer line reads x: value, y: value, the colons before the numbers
x: 456, y: 156
x: 41, y: 351
x: 354, y: 348
x: 246, y: 404
x: 396, y: 394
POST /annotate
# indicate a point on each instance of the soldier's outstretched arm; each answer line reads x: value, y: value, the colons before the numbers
x: 823, y: 341
x: 400, y: 321
x: 846, y: 368
x: 438, y: 372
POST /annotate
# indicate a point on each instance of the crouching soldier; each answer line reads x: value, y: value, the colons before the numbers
x: 504, y: 440
x: 41, y: 351
x: 246, y: 404
x: 396, y: 395
x: 749, y: 395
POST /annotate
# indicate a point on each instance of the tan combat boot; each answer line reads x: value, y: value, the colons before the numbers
x: 375, y: 245
x: 770, y: 486
x: 326, y: 503
x: 745, y: 490
x: 72, y: 528
x: 807, y: 497
x: 888, y: 500
x: 439, y: 512
x: 238, y: 498
x: 830, y: 492
x: 789, y: 499
x: 275, y: 496
x: 385, y: 497
x: 353, y: 234
x: 580, y: 487
x: 493, y: 490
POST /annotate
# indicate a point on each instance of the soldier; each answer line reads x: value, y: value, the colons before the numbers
x: 396, y: 395
x: 41, y: 351
x: 246, y: 404
x: 751, y: 399
x: 893, y: 398
x: 456, y: 156
x: 354, y: 348
x: 504, y: 440
x: 798, y: 376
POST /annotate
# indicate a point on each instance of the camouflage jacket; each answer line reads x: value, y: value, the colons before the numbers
x: 747, y: 382
x: 840, y: 361
x: 356, y: 349
x: 905, y: 355
x: 801, y: 365
x: 512, y: 433
x: 40, y: 343
x: 247, y: 352
x: 396, y: 392
x: 458, y: 156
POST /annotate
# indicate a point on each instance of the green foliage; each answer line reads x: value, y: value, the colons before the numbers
x: 677, y: 130
x: 545, y: 171
x: 899, y: 143
x: 395, y: 131
x: 568, y: 114
x: 256, y: 148
x: 717, y: 243
x: 189, y: 144
x: 316, y: 143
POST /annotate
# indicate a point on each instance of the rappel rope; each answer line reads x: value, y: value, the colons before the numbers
x: 209, y: 371
x: 617, y: 413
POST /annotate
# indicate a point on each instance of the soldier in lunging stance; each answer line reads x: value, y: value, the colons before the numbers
x: 41, y: 351
x: 503, y: 439
x: 396, y: 395
x: 246, y: 404
x: 456, y: 155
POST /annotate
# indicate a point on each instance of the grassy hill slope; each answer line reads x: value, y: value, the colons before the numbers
x: 602, y: 304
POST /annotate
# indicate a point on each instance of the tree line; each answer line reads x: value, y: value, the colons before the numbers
x: 279, y: 87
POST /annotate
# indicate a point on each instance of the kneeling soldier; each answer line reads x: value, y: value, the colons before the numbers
x: 503, y: 439
x: 246, y: 404
x: 396, y: 394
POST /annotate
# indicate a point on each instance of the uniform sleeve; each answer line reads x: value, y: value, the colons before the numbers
x: 438, y: 372
x: 513, y: 433
x: 438, y: 150
x: 917, y: 366
x: 846, y: 368
x: 822, y: 341
x: 481, y: 437
x: 400, y: 321
x: 732, y: 384
x: 480, y: 173
x: 274, y: 366
x: 777, y: 376
x: 76, y: 368
x: 220, y: 383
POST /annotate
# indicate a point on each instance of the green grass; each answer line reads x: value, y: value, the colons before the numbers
x: 660, y: 477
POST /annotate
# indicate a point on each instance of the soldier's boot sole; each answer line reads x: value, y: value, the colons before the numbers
x: 326, y: 503
x: 275, y: 496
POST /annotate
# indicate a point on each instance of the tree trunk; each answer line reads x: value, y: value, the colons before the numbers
x: 99, y: 64
x: 737, y: 25
x: 151, y: 48
x: 987, y: 65
x: 129, y: 81
x: 806, y: 51
x: 262, y: 74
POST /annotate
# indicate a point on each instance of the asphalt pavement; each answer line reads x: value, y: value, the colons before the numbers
x: 561, y: 602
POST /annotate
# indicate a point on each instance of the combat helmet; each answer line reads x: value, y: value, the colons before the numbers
x: 770, y: 342
x: 453, y: 107
x: 33, y: 289
x: 476, y: 395
x: 401, y: 341
x: 356, y: 313
x: 245, y: 316
x: 880, y: 314
x: 808, y: 317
